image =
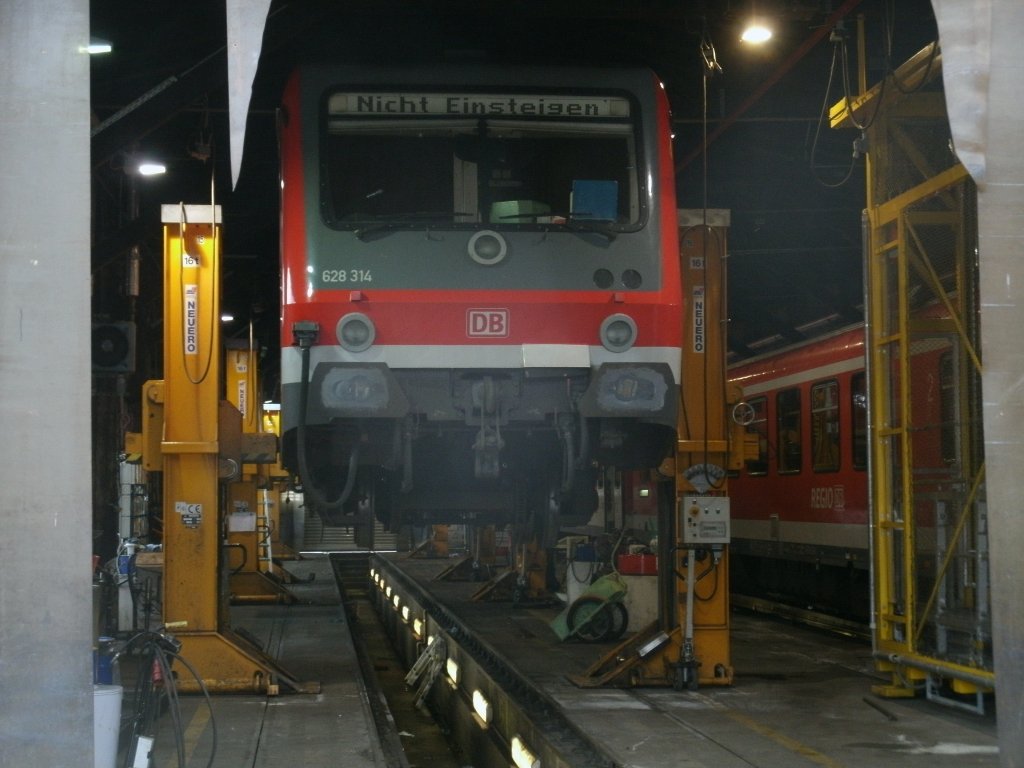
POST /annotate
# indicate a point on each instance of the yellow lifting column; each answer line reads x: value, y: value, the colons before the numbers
x: 689, y: 645
x: 709, y: 443
x: 195, y: 459
x: 252, y: 516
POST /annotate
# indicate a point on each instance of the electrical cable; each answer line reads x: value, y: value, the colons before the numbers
x: 155, y: 682
x: 841, y: 55
x: 182, y: 227
x: 836, y: 58
x: 320, y: 501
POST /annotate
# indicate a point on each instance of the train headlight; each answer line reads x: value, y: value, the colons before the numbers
x: 354, y: 388
x: 618, y: 333
x: 356, y: 332
x: 630, y: 389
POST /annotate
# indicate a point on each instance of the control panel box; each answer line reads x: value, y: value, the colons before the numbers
x: 704, y: 519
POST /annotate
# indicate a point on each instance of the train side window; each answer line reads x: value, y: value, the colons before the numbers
x: 787, y: 418
x: 947, y: 409
x: 859, y: 401
x: 825, y: 427
x: 759, y: 426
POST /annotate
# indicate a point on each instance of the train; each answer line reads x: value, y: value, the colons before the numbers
x: 481, y: 298
x: 801, y: 507
x: 800, y: 522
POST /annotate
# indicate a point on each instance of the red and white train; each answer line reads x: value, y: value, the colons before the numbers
x: 800, y: 509
x: 481, y: 288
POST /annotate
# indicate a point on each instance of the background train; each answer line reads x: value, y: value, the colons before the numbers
x: 481, y: 288
x: 800, y: 509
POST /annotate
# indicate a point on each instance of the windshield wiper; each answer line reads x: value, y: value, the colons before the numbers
x: 577, y: 226
x: 414, y: 220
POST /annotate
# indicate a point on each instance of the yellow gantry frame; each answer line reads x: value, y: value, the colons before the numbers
x: 893, y: 252
x: 195, y: 456
x: 901, y: 617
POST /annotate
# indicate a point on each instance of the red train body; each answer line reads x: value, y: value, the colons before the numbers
x: 801, y: 522
x: 481, y: 290
x: 800, y: 510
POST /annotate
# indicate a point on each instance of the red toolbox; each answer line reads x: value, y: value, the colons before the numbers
x: 638, y: 565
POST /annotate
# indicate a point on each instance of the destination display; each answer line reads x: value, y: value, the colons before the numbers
x: 475, y: 104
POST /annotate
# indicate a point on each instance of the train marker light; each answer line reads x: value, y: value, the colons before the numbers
x: 618, y: 333
x: 356, y: 332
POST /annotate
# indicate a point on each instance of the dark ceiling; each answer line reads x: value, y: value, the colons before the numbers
x: 792, y: 184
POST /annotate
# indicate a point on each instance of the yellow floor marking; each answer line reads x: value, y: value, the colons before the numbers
x: 196, y: 727
x: 791, y: 744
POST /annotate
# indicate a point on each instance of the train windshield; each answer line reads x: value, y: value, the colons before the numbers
x: 470, y: 160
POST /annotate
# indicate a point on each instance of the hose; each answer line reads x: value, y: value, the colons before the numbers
x: 309, y: 488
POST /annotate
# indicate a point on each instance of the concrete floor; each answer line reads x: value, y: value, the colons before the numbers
x: 800, y: 698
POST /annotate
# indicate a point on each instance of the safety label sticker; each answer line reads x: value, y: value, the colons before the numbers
x: 191, y: 514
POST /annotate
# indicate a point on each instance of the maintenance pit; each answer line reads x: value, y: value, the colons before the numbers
x: 800, y: 697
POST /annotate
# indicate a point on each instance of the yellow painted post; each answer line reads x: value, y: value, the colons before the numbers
x: 197, y: 431
x: 704, y: 447
x: 191, y: 395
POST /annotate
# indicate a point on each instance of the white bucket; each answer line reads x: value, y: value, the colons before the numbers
x: 106, y: 708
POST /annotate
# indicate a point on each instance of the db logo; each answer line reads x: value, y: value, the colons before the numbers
x: 487, y: 322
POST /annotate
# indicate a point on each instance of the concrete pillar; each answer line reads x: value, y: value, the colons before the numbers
x: 46, y: 699
x: 983, y: 68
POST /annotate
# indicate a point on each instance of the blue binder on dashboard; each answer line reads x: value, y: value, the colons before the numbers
x: 595, y: 199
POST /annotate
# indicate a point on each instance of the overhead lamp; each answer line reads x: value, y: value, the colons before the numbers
x: 149, y: 168
x: 96, y: 47
x: 227, y: 317
x: 756, y: 32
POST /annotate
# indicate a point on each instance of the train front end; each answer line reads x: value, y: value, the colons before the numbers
x: 481, y: 299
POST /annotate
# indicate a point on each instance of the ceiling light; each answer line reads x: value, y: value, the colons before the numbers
x: 756, y: 32
x: 96, y: 47
x: 151, y: 169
